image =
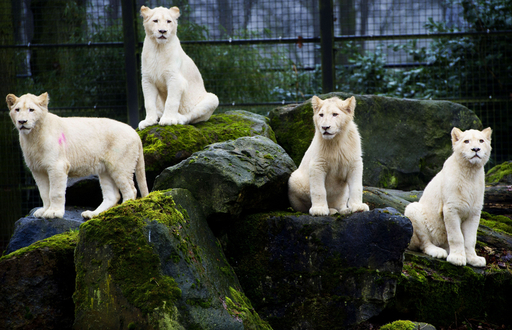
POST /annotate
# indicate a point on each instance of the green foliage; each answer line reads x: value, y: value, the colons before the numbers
x: 451, y: 67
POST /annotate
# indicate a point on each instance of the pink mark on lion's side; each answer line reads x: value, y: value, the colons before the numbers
x: 62, y: 139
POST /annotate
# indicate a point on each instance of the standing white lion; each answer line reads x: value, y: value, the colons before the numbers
x: 173, y: 88
x: 330, y: 176
x: 446, y: 218
x: 55, y: 148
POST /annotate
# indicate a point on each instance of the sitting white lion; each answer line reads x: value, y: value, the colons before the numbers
x: 55, y: 148
x: 330, y: 176
x: 173, y: 88
x: 446, y: 218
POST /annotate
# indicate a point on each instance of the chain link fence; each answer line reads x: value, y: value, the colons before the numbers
x: 255, y: 55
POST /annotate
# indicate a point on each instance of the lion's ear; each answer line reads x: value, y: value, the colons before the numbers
x: 487, y: 132
x: 456, y: 133
x: 11, y: 99
x: 43, y: 99
x: 350, y: 105
x: 145, y: 12
x: 175, y: 12
x: 316, y: 102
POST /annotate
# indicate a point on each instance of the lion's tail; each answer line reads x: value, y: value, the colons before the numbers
x: 140, y: 173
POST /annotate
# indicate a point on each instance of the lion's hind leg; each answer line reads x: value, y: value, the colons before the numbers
x: 204, y: 109
x: 110, y: 193
x: 421, y: 238
x: 298, y: 192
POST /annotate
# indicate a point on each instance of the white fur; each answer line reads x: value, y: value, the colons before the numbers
x: 55, y: 148
x: 330, y: 176
x: 173, y: 88
x: 446, y: 218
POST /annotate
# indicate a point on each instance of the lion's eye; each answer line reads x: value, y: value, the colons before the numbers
x: 169, y: 21
x: 31, y: 110
x: 481, y: 141
x: 321, y: 115
x: 17, y: 109
x: 334, y: 114
x: 466, y: 141
x: 155, y: 20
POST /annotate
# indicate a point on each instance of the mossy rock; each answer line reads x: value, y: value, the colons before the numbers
x: 382, y: 198
x: 405, y: 142
x: 153, y: 263
x: 165, y: 146
x: 435, y: 291
x: 249, y: 174
x: 500, y: 174
x: 36, y: 284
x: 305, y: 272
x: 407, y: 325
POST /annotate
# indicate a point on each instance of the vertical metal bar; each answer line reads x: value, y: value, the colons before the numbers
x: 130, y: 58
x: 327, y: 45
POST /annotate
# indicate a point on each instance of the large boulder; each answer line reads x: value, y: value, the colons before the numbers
x: 37, y: 283
x: 435, y: 291
x: 153, y: 263
x: 165, y: 146
x: 305, y: 272
x: 405, y: 142
x: 30, y: 229
x: 246, y: 174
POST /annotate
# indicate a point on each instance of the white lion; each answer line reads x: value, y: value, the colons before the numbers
x: 173, y: 88
x: 55, y: 148
x: 330, y: 176
x: 446, y: 218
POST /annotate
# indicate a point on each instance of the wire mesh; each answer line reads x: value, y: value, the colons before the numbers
x: 254, y: 54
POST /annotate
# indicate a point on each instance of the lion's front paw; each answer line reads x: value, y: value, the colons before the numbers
x: 53, y: 213
x: 456, y: 259
x: 39, y: 212
x: 319, y: 210
x: 476, y: 261
x: 436, y: 252
x: 362, y: 207
x: 89, y: 214
x: 146, y: 123
x: 177, y: 119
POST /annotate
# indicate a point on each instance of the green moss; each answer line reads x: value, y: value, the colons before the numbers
x: 440, y: 293
x: 499, y: 223
x: 496, y: 174
x: 167, y: 145
x: 388, y: 180
x: 60, y: 242
x: 133, y: 267
x: 240, y: 308
x: 399, y: 325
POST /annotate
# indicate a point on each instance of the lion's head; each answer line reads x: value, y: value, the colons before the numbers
x: 160, y: 23
x: 472, y: 145
x: 331, y: 116
x: 26, y: 111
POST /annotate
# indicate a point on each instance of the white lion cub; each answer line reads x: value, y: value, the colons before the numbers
x: 446, y: 218
x: 55, y: 148
x: 173, y: 88
x: 330, y: 176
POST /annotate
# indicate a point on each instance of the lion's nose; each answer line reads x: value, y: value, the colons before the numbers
x: 22, y: 122
x: 325, y: 128
x: 476, y: 149
x: 162, y: 31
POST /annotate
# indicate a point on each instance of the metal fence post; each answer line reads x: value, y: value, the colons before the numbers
x: 327, y: 44
x: 130, y: 42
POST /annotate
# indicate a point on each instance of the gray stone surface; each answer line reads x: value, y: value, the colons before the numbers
x: 243, y: 175
x: 305, y: 272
